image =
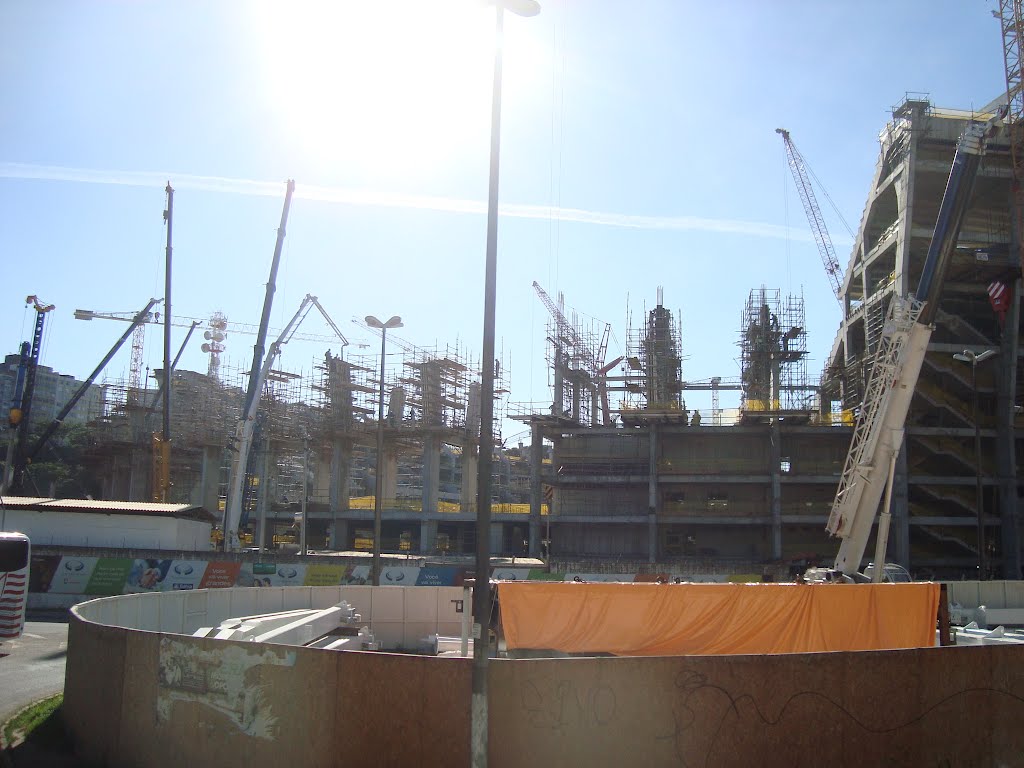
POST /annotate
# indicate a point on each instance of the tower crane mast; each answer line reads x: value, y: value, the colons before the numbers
x: 1011, y: 21
x: 814, y: 218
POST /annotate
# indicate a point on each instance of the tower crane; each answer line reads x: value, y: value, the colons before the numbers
x: 814, y: 218
x: 1011, y: 21
x: 594, y: 364
x: 218, y: 325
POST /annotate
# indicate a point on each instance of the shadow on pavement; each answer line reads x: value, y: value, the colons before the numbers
x: 47, y: 745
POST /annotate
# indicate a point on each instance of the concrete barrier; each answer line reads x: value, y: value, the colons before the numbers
x: 140, y: 692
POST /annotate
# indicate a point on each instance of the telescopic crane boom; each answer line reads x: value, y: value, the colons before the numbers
x: 24, y: 391
x: 22, y: 460
x: 247, y: 423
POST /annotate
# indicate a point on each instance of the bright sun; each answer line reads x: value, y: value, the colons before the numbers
x: 384, y: 88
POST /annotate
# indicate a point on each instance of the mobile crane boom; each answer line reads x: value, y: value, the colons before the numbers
x: 896, y: 365
x: 23, y: 459
x: 247, y: 422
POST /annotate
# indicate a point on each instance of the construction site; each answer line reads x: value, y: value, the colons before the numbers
x: 617, y: 468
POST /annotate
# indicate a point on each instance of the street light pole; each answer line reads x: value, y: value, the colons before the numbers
x: 482, y: 581
x: 969, y: 356
x: 373, y: 322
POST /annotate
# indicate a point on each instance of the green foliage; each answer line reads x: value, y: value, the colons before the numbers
x: 40, y: 721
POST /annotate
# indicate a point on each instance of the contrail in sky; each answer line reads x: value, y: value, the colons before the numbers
x: 366, y: 197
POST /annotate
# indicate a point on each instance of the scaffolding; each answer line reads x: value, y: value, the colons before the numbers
x: 576, y: 358
x: 652, y: 375
x: 773, y: 351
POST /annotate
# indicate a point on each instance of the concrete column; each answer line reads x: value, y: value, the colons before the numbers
x: 339, y: 534
x: 556, y: 406
x: 321, y: 487
x: 208, y: 492
x: 140, y: 476
x: 431, y: 473
x: 390, y: 468
x: 341, y: 468
x: 536, y: 496
x: 1006, y: 461
x: 430, y: 478
x: 497, y: 537
x: 652, y: 493
x: 467, y: 493
x: 775, y: 473
x: 428, y: 536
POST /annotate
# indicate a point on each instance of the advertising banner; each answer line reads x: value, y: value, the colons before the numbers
x: 510, y: 574
x: 272, y: 575
x: 73, y: 575
x: 219, y: 574
x: 318, y: 575
x: 42, y: 571
x: 357, y: 575
x: 184, y: 574
x: 399, y: 576
x: 146, y: 575
x: 444, y: 576
x: 108, y: 576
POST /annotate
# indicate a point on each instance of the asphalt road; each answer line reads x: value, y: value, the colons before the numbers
x: 32, y: 667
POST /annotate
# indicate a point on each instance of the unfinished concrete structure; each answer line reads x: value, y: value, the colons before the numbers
x: 633, y: 473
x: 315, y: 442
x: 941, y: 474
x: 761, y: 488
x: 664, y: 483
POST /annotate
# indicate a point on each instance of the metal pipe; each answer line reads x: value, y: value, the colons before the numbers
x: 268, y: 300
x: 979, y: 494
x: 379, y: 484
x: 482, y: 583
x: 169, y: 218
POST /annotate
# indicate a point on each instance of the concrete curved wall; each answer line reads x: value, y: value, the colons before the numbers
x: 140, y: 693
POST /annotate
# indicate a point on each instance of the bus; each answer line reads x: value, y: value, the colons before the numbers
x: 15, y: 555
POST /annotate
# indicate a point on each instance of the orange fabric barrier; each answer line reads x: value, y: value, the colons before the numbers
x: 713, y: 619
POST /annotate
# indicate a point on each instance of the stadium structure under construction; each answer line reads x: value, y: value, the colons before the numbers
x: 617, y: 468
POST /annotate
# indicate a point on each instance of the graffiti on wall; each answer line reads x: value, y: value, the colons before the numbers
x: 228, y: 680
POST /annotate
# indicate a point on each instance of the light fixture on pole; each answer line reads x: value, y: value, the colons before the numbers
x: 969, y: 356
x: 373, y: 322
x: 482, y: 582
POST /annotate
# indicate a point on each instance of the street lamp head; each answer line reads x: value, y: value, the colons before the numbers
x: 394, y: 322
x: 972, y: 357
x: 518, y: 7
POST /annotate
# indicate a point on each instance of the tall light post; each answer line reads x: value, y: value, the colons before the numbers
x: 969, y: 356
x: 373, y: 322
x: 482, y: 583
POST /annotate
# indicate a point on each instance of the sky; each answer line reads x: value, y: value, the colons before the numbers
x: 638, y: 150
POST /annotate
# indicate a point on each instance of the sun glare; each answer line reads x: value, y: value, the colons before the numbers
x: 383, y: 88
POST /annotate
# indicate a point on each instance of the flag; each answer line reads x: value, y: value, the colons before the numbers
x: 999, y: 298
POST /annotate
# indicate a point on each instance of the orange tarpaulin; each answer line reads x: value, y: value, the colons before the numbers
x: 712, y: 619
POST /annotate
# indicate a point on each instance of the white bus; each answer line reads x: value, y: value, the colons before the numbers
x: 15, y: 555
